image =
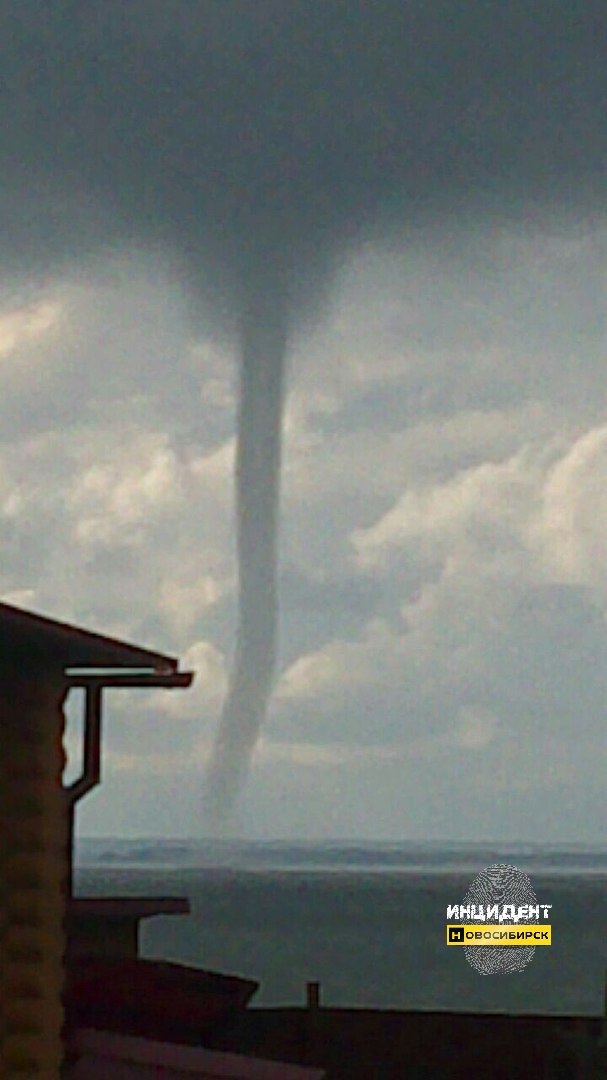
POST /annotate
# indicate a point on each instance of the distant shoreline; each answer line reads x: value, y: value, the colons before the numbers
x: 337, y: 857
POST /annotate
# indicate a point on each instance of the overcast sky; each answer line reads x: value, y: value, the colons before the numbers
x: 443, y: 654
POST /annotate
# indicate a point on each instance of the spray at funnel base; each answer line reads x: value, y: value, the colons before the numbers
x: 258, y: 456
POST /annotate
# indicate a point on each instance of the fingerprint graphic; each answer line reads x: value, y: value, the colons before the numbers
x: 500, y: 884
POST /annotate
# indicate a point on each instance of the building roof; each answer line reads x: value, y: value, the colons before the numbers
x: 29, y: 640
x: 154, y: 999
x: 102, y: 1054
x: 126, y: 907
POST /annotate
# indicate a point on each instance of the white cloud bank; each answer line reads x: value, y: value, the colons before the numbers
x: 443, y: 538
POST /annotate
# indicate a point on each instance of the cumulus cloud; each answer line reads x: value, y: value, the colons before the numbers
x: 480, y: 635
x: 185, y: 601
x: 572, y: 528
x: 489, y: 498
x: 442, y: 541
x: 211, y: 679
x: 114, y: 500
x: 21, y: 328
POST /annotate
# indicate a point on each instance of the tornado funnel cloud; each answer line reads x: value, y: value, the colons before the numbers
x: 263, y: 344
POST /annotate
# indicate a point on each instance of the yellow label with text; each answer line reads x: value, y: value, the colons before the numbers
x: 505, y: 934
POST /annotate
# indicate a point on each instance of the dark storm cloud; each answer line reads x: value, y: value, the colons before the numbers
x: 249, y: 133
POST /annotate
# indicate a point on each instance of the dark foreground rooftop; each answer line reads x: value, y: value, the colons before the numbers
x: 367, y: 1044
x: 29, y: 640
